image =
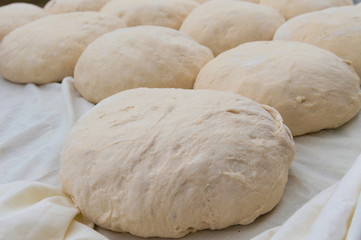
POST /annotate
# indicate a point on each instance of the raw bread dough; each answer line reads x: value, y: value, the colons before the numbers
x: 293, y: 8
x: 335, y: 29
x: 224, y: 24
x: 65, y: 6
x: 17, y: 14
x: 143, y: 56
x: 47, y: 49
x: 166, y: 162
x: 166, y: 13
x: 312, y: 88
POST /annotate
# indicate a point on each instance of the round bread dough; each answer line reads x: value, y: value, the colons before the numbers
x: 225, y: 24
x: 17, y: 14
x: 47, y: 49
x: 293, y: 8
x: 335, y: 29
x: 166, y: 13
x: 167, y: 162
x: 143, y: 56
x: 312, y: 88
x: 65, y: 6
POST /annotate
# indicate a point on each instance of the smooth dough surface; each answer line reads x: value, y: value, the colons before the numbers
x: 47, y: 49
x: 143, y: 56
x: 293, y: 8
x: 166, y: 13
x: 335, y: 29
x: 312, y: 88
x: 225, y: 24
x: 166, y: 162
x: 17, y: 14
x: 65, y: 6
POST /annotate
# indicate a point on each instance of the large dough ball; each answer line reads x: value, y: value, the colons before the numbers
x: 65, y: 6
x: 166, y: 13
x: 47, y: 49
x: 143, y: 56
x: 17, y: 14
x: 335, y: 29
x: 293, y: 8
x: 312, y: 88
x: 166, y: 162
x: 225, y: 24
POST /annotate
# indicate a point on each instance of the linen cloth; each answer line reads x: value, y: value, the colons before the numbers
x: 34, y: 121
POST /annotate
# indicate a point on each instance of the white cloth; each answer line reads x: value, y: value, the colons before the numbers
x: 35, y: 211
x: 335, y: 213
x: 34, y: 120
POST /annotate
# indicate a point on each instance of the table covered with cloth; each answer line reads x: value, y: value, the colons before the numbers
x: 321, y: 200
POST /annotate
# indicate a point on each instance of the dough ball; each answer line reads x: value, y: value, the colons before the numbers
x: 225, y: 24
x: 17, y: 14
x: 335, y: 29
x: 143, y: 56
x: 293, y: 8
x: 47, y: 49
x: 65, y: 6
x: 167, y: 162
x: 166, y: 13
x: 312, y: 88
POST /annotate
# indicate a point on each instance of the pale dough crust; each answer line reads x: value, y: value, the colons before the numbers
x: 312, y: 88
x: 336, y: 29
x: 143, y: 56
x: 293, y: 8
x: 47, y: 49
x: 166, y: 162
x: 18, y: 14
x: 65, y: 6
x: 224, y: 24
x: 166, y: 13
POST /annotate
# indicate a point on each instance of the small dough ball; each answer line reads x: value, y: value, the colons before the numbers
x: 167, y: 162
x: 65, y: 6
x: 312, y: 88
x: 335, y: 29
x: 166, y: 13
x: 18, y: 14
x: 143, y: 56
x: 225, y: 24
x: 47, y: 49
x: 293, y: 8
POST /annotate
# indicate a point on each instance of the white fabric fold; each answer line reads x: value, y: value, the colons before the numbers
x: 34, y: 211
x: 334, y: 214
x: 34, y: 121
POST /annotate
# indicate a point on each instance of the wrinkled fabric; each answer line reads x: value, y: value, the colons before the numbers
x: 335, y: 213
x: 34, y: 211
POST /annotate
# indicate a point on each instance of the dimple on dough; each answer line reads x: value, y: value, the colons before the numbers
x: 167, y: 162
x: 47, y: 49
x: 293, y: 8
x: 312, y: 88
x: 143, y: 56
x: 166, y: 13
x: 335, y: 29
x: 18, y: 14
x: 225, y: 24
x: 65, y: 6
